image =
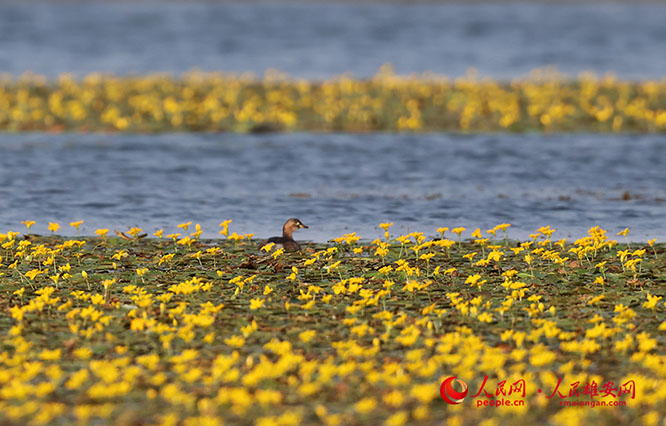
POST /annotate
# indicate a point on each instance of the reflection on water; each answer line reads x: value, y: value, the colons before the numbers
x: 335, y: 183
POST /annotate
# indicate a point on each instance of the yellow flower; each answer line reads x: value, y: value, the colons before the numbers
x: 268, y: 247
x: 651, y: 301
x: 424, y: 393
x: 50, y: 355
x: 28, y: 223
x: 394, y: 398
x: 307, y: 335
x: 427, y: 256
x: 53, y: 226
x: 77, y: 379
x: 235, y: 341
x: 485, y: 317
x: 459, y: 230
x: 397, y: 419
x: 108, y: 283
x: 365, y: 405
x: 102, y: 232
x: 469, y: 256
x: 472, y: 279
x: 33, y: 273
x: 83, y: 353
x: 185, y: 241
x: 540, y: 356
x: 76, y: 224
x: 256, y: 303
x: 225, y: 227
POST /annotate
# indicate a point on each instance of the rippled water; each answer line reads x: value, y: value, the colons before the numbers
x: 320, y: 40
x: 335, y: 183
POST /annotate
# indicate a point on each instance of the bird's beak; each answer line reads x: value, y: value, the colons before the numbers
x: 301, y: 225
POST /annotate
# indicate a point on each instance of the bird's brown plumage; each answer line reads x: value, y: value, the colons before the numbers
x: 287, y: 240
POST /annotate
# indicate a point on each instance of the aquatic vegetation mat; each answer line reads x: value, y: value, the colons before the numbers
x: 545, y: 101
x: 457, y: 327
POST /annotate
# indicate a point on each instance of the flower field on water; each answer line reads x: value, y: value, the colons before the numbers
x: 171, y: 329
x: 545, y: 101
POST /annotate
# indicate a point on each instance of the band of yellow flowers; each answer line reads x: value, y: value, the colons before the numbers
x: 196, y: 101
x: 172, y: 329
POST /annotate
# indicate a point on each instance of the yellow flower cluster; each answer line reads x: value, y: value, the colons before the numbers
x: 196, y: 101
x: 119, y: 330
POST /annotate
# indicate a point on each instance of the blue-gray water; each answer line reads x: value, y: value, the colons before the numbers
x: 320, y: 40
x: 335, y: 183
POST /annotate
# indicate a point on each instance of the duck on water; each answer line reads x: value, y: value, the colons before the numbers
x: 286, y: 241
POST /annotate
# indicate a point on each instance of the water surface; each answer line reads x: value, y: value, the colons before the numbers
x: 335, y: 183
x: 321, y: 40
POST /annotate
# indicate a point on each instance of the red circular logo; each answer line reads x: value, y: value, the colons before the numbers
x: 451, y: 395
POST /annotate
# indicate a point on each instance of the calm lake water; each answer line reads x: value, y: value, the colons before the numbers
x: 335, y: 183
x: 320, y: 40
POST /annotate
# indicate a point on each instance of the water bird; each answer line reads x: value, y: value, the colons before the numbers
x: 286, y: 241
